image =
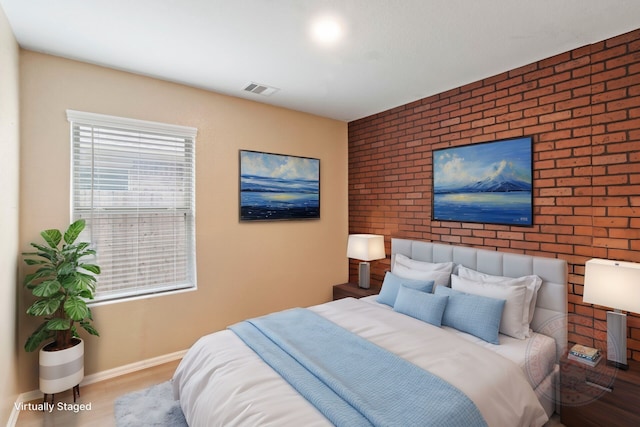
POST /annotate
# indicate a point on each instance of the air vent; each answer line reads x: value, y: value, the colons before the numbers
x: 260, y: 89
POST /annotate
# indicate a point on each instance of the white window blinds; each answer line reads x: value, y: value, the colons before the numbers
x: 133, y: 183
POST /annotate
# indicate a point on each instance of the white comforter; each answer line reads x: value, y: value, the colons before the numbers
x: 221, y: 382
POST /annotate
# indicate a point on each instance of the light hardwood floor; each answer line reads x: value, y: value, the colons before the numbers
x: 101, y: 395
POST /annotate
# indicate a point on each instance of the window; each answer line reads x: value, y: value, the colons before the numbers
x: 133, y: 182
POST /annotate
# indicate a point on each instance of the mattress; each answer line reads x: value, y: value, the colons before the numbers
x: 220, y: 381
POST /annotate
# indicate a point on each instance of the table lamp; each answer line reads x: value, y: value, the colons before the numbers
x: 365, y: 247
x: 614, y: 284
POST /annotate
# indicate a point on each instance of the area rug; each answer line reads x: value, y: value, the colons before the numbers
x: 153, y: 406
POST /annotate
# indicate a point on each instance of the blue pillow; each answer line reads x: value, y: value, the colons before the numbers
x: 391, y: 285
x: 421, y: 305
x: 474, y: 314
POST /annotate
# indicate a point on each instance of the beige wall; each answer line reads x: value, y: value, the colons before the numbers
x: 9, y: 175
x: 244, y: 269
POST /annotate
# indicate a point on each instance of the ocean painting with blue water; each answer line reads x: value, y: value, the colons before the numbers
x: 485, y: 183
x: 278, y: 187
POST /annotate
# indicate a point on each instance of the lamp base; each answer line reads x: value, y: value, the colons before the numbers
x: 363, y: 275
x: 617, y: 340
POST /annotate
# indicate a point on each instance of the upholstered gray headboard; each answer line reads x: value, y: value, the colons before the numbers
x: 550, y: 317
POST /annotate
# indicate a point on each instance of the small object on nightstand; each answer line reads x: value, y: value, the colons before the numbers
x: 583, y: 354
x: 345, y: 290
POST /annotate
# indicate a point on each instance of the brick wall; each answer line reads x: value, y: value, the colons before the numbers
x: 582, y: 109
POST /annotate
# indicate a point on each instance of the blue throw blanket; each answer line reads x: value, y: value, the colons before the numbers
x: 352, y: 381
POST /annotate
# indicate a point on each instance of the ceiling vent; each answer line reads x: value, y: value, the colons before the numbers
x: 260, y: 89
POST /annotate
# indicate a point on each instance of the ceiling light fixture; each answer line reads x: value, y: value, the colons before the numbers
x: 326, y: 30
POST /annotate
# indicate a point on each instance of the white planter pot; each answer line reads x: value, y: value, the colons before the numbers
x: 61, y: 370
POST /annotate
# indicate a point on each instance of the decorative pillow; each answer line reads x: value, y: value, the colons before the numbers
x: 474, y: 314
x: 391, y: 285
x: 421, y: 305
x: 514, y: 320
x: 532, y: 283
x: 418, y: 270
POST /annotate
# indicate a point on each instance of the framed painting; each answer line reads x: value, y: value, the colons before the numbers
x: 278, y: 187
x: 489, y: 182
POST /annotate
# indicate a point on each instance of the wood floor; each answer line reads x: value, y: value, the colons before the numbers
x: 101, y: 395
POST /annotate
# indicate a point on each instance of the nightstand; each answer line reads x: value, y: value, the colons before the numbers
x: 600, y: 395
x: 345, y: 290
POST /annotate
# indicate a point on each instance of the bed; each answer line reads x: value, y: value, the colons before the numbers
x: 367, y: 362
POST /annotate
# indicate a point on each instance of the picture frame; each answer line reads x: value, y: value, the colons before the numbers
x: 489, y: 182
x: 275, y: 187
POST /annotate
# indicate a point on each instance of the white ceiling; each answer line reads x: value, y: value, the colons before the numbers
x: 393, y: 51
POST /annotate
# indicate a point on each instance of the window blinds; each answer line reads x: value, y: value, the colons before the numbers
x: 134, y: 184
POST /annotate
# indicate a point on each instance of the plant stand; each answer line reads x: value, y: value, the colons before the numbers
x: 76, y: 392
x: 61, y: 370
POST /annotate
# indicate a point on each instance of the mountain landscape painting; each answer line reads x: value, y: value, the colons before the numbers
x: 278, y: 187
x: 486, y: 183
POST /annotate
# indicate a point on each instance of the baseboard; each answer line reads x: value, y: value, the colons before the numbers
x: 97, y: 377
x: 13, y: 417
x: 133, y: 367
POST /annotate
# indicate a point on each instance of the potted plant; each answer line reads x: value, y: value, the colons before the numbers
x: 61, y: 284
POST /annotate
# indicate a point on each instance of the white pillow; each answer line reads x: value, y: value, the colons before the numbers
x: 408, y: 268
x: 532, y: 283
x: 422, y: 265
x: 514, y: 320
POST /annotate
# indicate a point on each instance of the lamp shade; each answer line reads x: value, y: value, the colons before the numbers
x: 366, y: 247
x: 614, y: 284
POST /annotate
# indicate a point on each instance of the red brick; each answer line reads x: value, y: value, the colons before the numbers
x: 628, y: 81
x: 608, y: 76
x: 609, y: 96
x: 623, y: 104
x: 610, y: 159
x: 573, y: 103
x: 554, y: 117
x: 615, y: 116
x: 622, y: 61
x: 576, y: 63
x: 608, y: 53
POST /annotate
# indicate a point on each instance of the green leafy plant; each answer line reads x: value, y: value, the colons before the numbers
x: 61, y: 285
